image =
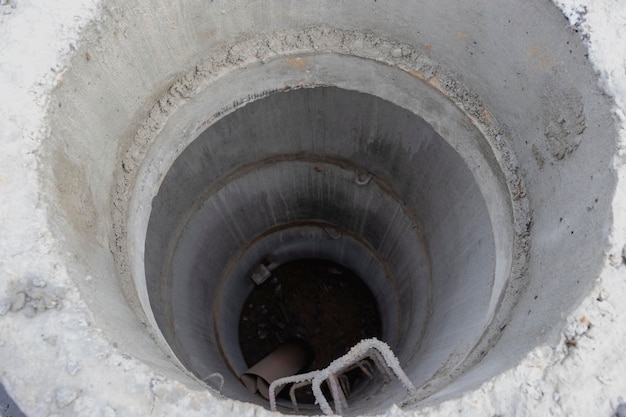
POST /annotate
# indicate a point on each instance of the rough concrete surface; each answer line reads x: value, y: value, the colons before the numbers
x: 55, y: 360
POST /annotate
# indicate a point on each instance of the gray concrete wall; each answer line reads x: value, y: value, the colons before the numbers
x: 296, y: 157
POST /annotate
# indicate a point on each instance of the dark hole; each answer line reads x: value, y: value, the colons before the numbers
x: 317, y: 301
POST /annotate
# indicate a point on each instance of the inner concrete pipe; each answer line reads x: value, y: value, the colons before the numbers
x: 454, y: 156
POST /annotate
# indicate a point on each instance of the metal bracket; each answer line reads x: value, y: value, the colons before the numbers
x: 366, y: 350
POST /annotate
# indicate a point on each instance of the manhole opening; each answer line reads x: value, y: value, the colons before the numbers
x: 317, y: 302
x: 328, y: 174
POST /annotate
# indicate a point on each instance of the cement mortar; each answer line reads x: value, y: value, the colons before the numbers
x: 57, y: 360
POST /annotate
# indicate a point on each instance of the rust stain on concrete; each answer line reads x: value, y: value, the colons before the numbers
x: 418, y: 74
x: 486, y: 115
x: 297, y: 63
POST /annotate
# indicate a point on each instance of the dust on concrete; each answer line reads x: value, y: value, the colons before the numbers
x: 320, y: 302
x: 564, y: 122
x: 541, y: 161
x: 77, y: 198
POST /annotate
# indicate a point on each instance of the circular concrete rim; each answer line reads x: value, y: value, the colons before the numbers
x: 155, y: 129
x: 492, y: 164
x: 548, y: 357
x: 410, y: 345
x: 516, y: 189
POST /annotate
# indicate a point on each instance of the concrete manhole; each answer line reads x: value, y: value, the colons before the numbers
x: 431, y: 231
x: 458, y: 164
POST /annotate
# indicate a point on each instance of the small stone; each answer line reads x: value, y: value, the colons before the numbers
x: 72, y: 367
x: 50, y: 302
x: 34, y: 292
x: 66, y: 396
x: 396, y: 53
x: 39, y: 304
x: 51, y: 340
x: 39, y: 282
x: 30, y: 311
x: 582, y: 326
x: 18, y: 302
